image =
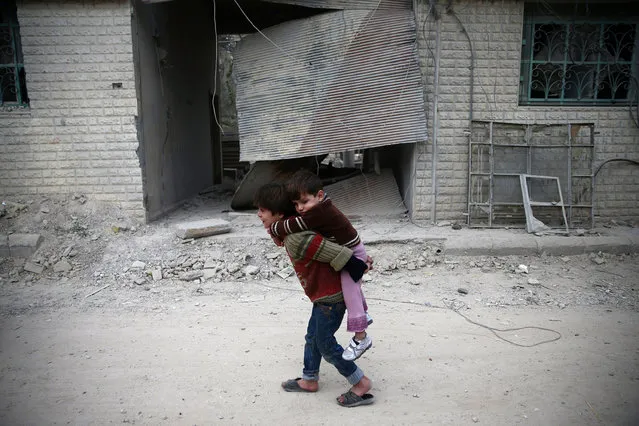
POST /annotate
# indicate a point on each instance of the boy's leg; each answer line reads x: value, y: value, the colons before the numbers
x: 354, y: 299
x: 312, y: 360
x: 329, y: 319
x: 353, y: 296
x: 312, y: 355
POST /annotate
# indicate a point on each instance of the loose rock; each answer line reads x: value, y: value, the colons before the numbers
x: 156, y: 274
x: 62, y: 266
x: 273, y: 255
x: 138, y: 265
x: 251, y: 270
x: 233, y: 268
x: 191, y: 276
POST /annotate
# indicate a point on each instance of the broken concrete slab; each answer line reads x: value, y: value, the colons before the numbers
x: 202, y: 228
x: 33, y: 267
x: 24, y: 245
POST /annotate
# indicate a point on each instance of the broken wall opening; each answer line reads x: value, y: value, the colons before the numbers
x: 174, y: 56
x: 501, y: 152
x: 182, y: 150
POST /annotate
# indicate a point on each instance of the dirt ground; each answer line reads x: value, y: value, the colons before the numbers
x: 148, y: 329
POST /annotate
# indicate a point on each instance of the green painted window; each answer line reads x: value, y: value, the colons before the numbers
x: 13, y: 87
x: 579, y: 54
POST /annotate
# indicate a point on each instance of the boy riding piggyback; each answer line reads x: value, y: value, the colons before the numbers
x: 318, y: 214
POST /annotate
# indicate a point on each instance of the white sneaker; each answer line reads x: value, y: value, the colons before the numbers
x: 354, y: 350
x: 369, y: 319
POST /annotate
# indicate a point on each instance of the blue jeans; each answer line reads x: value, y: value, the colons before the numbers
x: 326, y: 319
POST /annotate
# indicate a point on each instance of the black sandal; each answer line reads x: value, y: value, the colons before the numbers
x: 351, y: 399
x: 292, y: 385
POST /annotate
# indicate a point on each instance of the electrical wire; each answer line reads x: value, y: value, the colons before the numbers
x: 635, y: 162
x: 288, y: 55
x: 215, y: 65
x: 493, y: 330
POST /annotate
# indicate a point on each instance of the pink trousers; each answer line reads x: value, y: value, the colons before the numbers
x: 353, y: 297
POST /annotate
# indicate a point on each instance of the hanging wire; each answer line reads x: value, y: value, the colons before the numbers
x: 215, y: 70
x: 288, y: 55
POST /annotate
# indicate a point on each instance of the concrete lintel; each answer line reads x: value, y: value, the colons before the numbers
x: 24, y: 245
x: 202, y: 228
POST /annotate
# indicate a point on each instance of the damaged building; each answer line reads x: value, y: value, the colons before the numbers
x: 482, y: 112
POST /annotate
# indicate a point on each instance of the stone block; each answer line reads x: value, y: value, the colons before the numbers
x: 202, y: 228
x: 24, y: 245
x: 33, y: 267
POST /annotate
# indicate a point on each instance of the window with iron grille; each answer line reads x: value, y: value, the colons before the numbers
x: 582, y: 54
x: 13, y: 87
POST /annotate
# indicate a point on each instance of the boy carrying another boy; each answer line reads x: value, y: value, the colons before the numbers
x: 317, y: 213
x: 322, y: 285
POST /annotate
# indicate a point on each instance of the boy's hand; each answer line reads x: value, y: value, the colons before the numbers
x: 278, y: 242
x: 356, y: 268
x: 369, y: 263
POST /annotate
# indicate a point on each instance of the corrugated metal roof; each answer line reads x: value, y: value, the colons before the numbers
x: 348, y: 4
x: 334, y: 82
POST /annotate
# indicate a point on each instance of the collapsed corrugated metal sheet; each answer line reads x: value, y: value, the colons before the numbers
x: 334, y: 82
x: 348, y: 4
x: 367, y: 195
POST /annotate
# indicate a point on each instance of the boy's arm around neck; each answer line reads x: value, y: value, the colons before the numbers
x: 311, y: 220
x: 290, y: 225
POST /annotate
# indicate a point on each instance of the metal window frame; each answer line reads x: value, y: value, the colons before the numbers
x: 527, y: 63
x: 16, y: 65
x: 529, y: 204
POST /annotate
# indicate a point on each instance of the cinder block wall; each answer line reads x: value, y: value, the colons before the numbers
x: 495, y: 30
x: 79, y: 134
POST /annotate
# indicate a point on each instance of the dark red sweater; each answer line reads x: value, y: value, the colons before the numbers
x: 325, y: 219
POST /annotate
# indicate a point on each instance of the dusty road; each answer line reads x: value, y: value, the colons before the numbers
x: 219, y: 358
x: 143, y: 328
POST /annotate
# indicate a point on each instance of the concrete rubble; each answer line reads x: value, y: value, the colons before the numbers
x: 202, y: 228
x: 19, y: 245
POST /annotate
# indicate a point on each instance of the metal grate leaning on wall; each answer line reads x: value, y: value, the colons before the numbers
x: 338, y: 81
x: 500, y: 152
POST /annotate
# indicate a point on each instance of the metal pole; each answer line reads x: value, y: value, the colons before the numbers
x: 433, y: 207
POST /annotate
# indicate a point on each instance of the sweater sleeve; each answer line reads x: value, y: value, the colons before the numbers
x: 307, y: 246
x: 291, y: 225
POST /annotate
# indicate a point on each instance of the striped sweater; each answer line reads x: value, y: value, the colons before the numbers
x: 325, y: 219
x: 316, y: 261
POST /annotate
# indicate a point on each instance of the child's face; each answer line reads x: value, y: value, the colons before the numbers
x: 308, y: 201
x: 268, y: 217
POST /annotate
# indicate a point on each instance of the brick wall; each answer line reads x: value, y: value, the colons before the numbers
x: 495, y: 29
x: 79, y: 134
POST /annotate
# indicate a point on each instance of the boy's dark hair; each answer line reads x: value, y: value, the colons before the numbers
x: 303, y: 182
x: 273, y: 196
